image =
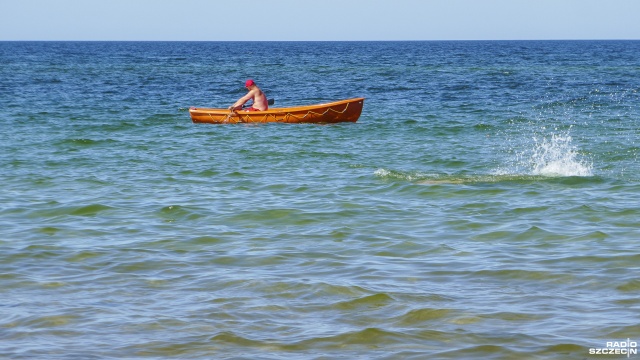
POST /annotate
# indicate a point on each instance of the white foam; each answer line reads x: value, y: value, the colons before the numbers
x: 382, y: 172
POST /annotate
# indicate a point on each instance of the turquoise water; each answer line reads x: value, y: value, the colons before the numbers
x: 485, y: 205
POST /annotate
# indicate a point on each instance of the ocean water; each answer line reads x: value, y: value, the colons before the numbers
x: 486, y: 205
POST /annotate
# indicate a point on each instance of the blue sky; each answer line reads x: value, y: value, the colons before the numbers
x: 296, y: 20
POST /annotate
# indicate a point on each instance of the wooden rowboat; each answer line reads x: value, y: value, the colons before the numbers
x: 334, y: 112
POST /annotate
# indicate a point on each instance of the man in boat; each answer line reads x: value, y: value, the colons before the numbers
x: 255, y: 94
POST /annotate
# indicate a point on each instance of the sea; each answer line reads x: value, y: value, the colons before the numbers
x: 486, y: 204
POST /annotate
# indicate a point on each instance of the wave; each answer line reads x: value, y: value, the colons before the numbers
x: 455, y: 179
x: 541, y: 157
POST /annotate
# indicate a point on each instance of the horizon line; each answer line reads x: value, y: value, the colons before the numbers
x: 396, y: 40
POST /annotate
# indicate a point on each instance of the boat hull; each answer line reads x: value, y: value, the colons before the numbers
x: 334, y: 112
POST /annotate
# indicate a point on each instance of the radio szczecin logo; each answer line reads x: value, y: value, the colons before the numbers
x: 627, y: 347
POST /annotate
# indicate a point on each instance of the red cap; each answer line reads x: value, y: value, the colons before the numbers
x: 249, y: 83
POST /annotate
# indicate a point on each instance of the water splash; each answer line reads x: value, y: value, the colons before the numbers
x: 552, y: 155
x: 557, y: 156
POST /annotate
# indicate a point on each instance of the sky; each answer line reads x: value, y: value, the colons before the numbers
x: 318, y: 20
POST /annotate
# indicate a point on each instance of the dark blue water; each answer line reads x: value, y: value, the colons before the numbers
x: 485, y: 205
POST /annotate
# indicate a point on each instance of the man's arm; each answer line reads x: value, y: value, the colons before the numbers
x: 238, y: 104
